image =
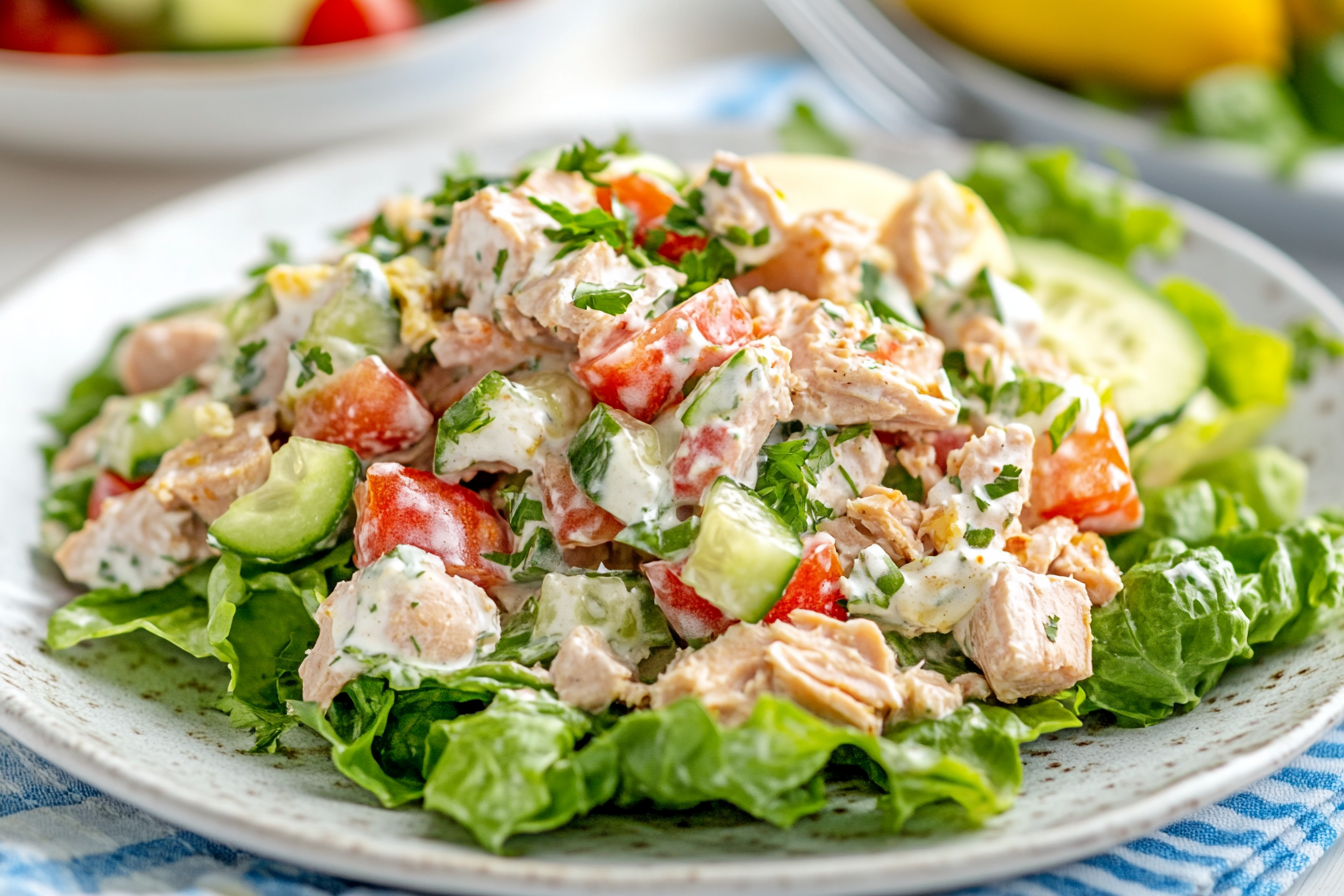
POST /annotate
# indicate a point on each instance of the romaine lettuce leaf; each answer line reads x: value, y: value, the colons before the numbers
x: 176, y: 612
x: 1166, y: 639
x: 1194, y: 513
x: 87, y: 395
x: 1270, y: 481
x: 1047, y: 193
x: 512, y: 768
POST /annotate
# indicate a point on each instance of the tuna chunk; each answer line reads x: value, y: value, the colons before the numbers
x: 550, y: 299
x: 943, y: 230
x: 745, y: 209
x: 988, y: 483
x: 1038, y: 548
x: 854, y: 370
x: 81, y: 450
x: 157, y: 352
x: 842, y: 672
x: 497, y: 240
x: 1030, y: 635
x: 469, y: 346
x: 928, y: 695
x: 891, y: 520
x: 402, y: 617
x: 780, y: 313
x: 862, y: 460
x: 209, y: 474
x: 136, y: 542
x: 1085, y: 558
x: 821, y: 257
x: 587, y: 674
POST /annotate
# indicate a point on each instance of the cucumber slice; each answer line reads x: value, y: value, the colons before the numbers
x: 618, y: 462
x: 238, y: 23
x: 300, y: 505
x: 361, y: 312
x: 140, y: 428
x: 744, y: 555
x: 619, y: 606
x: 1106, y: 324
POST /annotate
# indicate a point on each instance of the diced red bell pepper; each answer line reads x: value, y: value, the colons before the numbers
x: 645, y: 373
x: 815, y: 584
x: 108, y: 485
x: 367, y: 408
x: 690, y: 615
x: 574, y: 519
x: 44, y: 26
x: 337, y: 21
x: 399, y: 505
x: 1088, y: 479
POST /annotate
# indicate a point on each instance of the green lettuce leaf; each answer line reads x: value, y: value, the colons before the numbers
x: 177, y: 613
x: 1047, y: 193
x: 1270, y: 481
x: 512, y: 768
x: 1166, y: 639
x: 1194, y: 513
x: 87, y: 395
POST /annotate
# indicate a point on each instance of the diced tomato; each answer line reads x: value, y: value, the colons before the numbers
x: 946, y: 441
x: 645, y: 373
x: 1088, y: 479
x: 337, y: 21
x: 367, y: 408
x: 108, y: 485
x: 45, y: 26
x: 574, y: 519
x: 815, y: 584
x: 676, y: 245
x: 399, y: 505
x: 689, y: 614
x: 705, y: 454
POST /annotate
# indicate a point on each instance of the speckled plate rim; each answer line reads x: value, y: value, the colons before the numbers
x: 940, y: 865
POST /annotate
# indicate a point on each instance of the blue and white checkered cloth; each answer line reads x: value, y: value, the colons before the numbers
x: 61, y: 836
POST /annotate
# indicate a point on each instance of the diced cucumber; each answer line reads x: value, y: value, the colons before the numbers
x: 537, y: 553
x: 874, y: 578
x: 246, y: 315
x: 507, y: 422
x: 1106, y: 324
x: 238, y: 23
x: 361, y: 311
x: 299, y: 507
x: 617, y: 461
x: 619, y: 606
x: 721, y: 391
x: 744, y: 555
x: 125, y: 12
x: 140, y: 428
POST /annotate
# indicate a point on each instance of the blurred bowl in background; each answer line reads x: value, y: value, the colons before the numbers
x: 250, y: 105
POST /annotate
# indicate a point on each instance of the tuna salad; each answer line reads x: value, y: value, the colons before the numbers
x: 609, y: 484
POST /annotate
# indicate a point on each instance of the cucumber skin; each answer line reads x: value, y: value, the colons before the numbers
x: 1183, y: 360
x: 734, y: 584
x: 239, y: 531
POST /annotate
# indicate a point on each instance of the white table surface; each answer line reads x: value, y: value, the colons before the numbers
x: 46, y: 206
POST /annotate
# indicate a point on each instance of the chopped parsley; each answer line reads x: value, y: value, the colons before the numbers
x: 500, y: 260
x: 685, y: 219
x: 884, y: 298
x: 247, y: 373
x: 869, y: 343
x: 1052, y: 628
x: 899, y: 478
x: 579, y: 229
x: 720, y: 177
x: 705, y: 268
x: 848, y: 479
x: 589, y: 159
x: 1063, y: 424
x: 857, y: 431
x: 980, y: 502
x: 471, y: 412
x: 663, y: 543
x: 1006, y: 483
x: 608, y: 299
x: 955, y: 480
x: 979, y: 538
x: 1027, y: 395
x: 738, y: 236
x: 787, y: 473
x: 312, y: 361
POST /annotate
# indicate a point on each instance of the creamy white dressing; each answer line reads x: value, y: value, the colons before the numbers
x: 636, y: 485
x: 607, y: 603
x: 522, y: 424
x: 1076, y: 388
x: 938, y: 592
x: 387, y: 628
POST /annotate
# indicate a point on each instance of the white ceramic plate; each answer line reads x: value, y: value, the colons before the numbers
x: 249, y: 105
x: 131, y: 715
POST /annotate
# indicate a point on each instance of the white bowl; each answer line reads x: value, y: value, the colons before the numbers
x: 249, y: 105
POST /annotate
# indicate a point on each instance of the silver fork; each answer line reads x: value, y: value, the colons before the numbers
x: 879, y: 67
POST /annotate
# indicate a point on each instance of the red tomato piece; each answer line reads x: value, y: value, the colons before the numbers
x: 1088, y: 479
x: 108, y: 485
x: 367, y: 408
x: 676, y: 245
x: 704, y: 455
x: 645, y: 373
x: 642, y: 196
x: 399, y: 505
x: 574, y: 519
x: 690, y: 615
x: 43, y: 26
x: 815, y: 584
x: 337, y: 21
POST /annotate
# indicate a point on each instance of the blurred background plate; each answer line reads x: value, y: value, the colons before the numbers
x: 250, y: 105
x: 881, y: 55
